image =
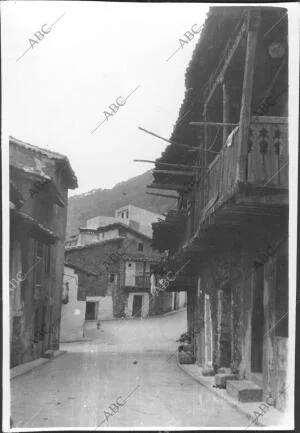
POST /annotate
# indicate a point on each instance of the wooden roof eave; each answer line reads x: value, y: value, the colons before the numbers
x: 35, y: 228
x: 166, y: 186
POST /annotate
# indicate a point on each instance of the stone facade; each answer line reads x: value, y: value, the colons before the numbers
x: 109, y: 259
x: 40, y: 180
x: 246, y: 336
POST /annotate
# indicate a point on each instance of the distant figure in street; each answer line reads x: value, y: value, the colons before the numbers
x: 98, y: 324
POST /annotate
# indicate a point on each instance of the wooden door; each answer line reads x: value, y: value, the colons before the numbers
x: 137, y: 305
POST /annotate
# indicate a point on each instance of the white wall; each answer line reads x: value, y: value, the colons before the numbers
x: 72, y: 313
x: 182, y: 299
x: 104, y: 306
x: 144, y: 217
x: 87, y: 238
x: 110, y: 234
x: 99, y: 221
x: 130, y: 272
x: 105, y: 310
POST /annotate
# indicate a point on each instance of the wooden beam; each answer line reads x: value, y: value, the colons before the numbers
x: 179, y: 173
x: 165, y: 186
x: 226, y: 108
x: 245, y: 113
x: 269, y: 119
x: 174, y: 143
x: 231, y: 51
x: 269, y: 90
x: 224, y: 125
x: 170, y: 165
x: 162, y: 195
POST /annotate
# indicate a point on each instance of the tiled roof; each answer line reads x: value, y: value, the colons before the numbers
x: 137, y: 258
x: 51, y: 155
x: 94, y: 244
x: 37, y: 227
x: 79, y: 269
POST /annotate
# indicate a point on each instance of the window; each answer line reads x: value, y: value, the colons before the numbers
x: 111, y: 278
x: 140, y: 247
x: 127, y: 214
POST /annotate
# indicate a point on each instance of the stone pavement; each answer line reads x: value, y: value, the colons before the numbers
x: 272, y: 417
x: 125, y: 377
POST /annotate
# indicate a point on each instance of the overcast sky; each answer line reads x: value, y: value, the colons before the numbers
x: 56, y: 94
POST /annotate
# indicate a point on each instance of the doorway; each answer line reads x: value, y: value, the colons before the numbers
x: 176, y: 301
x: 257, y: 324
x: 90, y: 312
x: 137, y: 305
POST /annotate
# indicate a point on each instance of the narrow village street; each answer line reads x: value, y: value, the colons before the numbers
x: 125, y: 358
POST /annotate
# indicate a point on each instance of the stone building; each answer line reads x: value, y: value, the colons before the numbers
x: 73, y: 309
x: 135, y: 217
x: 232, y: 216
x: 39, y: 183
x: 124, y: 259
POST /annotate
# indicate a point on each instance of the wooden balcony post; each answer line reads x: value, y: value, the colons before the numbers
x: 245, y: 113
x: 205, y: 180
x: 225, y: 110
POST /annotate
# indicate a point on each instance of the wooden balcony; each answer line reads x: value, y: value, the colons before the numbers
x: 142, y: 281
x: 266, y: 166
x: 168, y: 233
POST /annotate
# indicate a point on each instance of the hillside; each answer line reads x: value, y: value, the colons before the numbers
x: 105, y: 201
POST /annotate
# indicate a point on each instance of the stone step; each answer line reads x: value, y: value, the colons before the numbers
x: 208, y: 372
x: 244, y: 391
x: 221, y: 379
x: 48, y: 354
x: 223, y: 370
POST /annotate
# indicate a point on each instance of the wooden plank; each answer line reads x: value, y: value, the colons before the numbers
x: 271, y: 157
x: 283, y: 168
x: 162, y: 195
x: 225, y: 110
x: 178, y: 173
x: 261, y: 108
x: 231, y: 52
x: 269, y: 119
x: 214, y: 162
x: 170, y: 165
x: 174, y: 143
x: 225, y: 125
x: 245, y: 114
x: 165, y: 186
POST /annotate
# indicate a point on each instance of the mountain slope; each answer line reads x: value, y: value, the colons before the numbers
x: 105, y: 201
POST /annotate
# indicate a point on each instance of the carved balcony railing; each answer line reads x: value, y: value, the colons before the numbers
x: 142, y: 280
x: 266, y: 164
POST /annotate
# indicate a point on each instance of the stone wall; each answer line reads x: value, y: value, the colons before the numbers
x: 228, y: 276
x: 45, y: 299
